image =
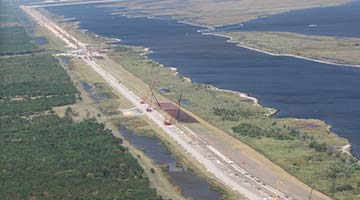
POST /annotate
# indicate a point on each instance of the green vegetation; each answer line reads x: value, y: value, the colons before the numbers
x: 42, y: 155
x: 216, y: 13
x: 318, y: 147
x: 341, y: 171
x: 13, y: 37
x: 301, y: 154
x: 48, y: 157
x: 234, y: 114
x: 296, y: 145
x: 14, y: 40
x: 305, y: 148
x: 33, y: 83
x: 331, y: 49
x: 254, y: 131
x: 7, y: 15
x: 54, y: 158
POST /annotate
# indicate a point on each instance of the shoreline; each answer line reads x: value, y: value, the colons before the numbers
x: 204, y: 27
x: 272, y: 111
x: 347, y: 149
x: 64, y: 3
x: 238, y: 43
x: 232, y: 40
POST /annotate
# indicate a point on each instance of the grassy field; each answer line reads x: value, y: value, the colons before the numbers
x: 331, y: 49
x: 305, y: 148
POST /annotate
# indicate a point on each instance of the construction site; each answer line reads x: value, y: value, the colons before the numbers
x: 231, y: 168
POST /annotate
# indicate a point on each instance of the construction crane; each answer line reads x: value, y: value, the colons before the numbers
x: 152, y: 98
x: 168, y: 122
x: 179, y: 104
x: 144, y: 98
x: 158, y: 103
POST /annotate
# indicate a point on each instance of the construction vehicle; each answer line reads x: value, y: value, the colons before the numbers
x: 149, y: 109
x: 167, y: 122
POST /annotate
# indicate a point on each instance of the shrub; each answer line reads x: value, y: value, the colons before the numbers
x: 345, y: 187
x: 317, y: 146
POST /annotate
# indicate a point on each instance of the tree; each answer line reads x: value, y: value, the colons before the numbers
x: 68, y: 113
